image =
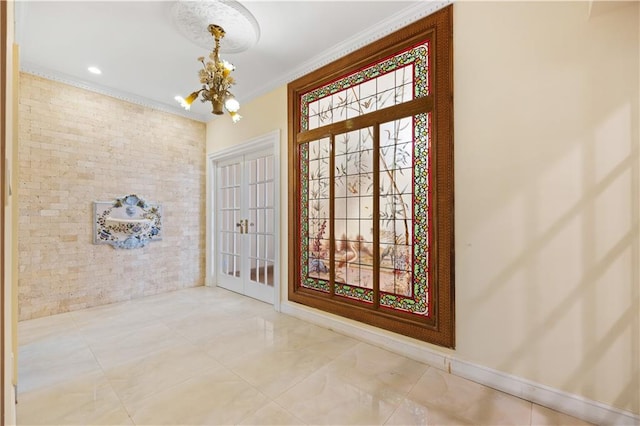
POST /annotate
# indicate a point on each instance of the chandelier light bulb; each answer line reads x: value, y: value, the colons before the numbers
x: 186, y: 103
x: 192, y: 97
x: 182, y: 102
x: 232, y: 104
x: 235, y: 117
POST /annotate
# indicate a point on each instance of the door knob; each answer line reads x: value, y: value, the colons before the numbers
x: 243, y: 225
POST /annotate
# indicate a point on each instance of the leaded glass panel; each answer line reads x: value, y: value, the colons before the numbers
x: 393, y: 81
x: 403, y: 205
x: 353, y: 259
x: 315, y: 221
x: 340, y: 245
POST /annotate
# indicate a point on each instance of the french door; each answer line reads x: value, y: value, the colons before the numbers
x: 245, y: 222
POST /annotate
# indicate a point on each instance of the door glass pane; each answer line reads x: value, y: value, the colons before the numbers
x: 228, y: 218
x: 270, y: 248
x: 254, y: 270
x: 261, y: 216
x: 269, y: 221
x: 269, y: 274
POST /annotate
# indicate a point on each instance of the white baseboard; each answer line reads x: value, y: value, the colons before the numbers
x: 564, y: 402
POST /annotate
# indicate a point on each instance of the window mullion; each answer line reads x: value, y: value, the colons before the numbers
x: 376, y: 216
x: 332, y: 216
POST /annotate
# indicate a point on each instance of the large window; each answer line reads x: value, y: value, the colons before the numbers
x: 371, y: 155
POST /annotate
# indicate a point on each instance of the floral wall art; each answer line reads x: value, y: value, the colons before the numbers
x: 128, y: 222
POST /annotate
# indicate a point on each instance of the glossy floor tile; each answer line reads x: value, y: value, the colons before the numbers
x: 206, y: 356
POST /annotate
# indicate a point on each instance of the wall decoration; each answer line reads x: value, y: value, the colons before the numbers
x: 127, y: 223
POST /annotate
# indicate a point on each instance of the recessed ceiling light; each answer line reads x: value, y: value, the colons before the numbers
x: 94, y: 70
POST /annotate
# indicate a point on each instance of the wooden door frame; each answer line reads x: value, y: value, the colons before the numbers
x: 270, y: 141
x: 9, y: 75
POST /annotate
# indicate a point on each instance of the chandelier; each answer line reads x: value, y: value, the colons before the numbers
x: 216, y: 80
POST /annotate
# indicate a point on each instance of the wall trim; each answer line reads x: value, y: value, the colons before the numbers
x: 209, y: 281
x: 268, y: 140
x: 30, y: 68
x: 564, y: 402
x: 394, y: 22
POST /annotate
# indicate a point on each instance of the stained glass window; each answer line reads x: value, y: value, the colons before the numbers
x: 383, y: 85
x: 363, y: 234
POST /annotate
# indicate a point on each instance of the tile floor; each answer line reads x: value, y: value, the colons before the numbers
x: 208, y: 356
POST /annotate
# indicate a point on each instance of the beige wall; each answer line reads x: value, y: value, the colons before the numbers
x: 546, y: 141
x: 260, y: 116
x: 547, y: 200
x: 76, y: 147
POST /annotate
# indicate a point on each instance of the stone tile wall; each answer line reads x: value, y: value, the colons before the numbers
x: 76, y: 147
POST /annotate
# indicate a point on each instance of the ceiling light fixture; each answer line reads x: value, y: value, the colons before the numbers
x: 216, y: 80
x: 94, y: 70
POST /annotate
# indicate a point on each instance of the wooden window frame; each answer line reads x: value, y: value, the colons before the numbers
x: 439, y: 326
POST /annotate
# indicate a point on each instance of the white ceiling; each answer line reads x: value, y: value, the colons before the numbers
x: 145, y: 59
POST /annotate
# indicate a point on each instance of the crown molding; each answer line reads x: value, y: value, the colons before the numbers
x: 21, y: 15
x: 30, y: 68
x: 394, y: 22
